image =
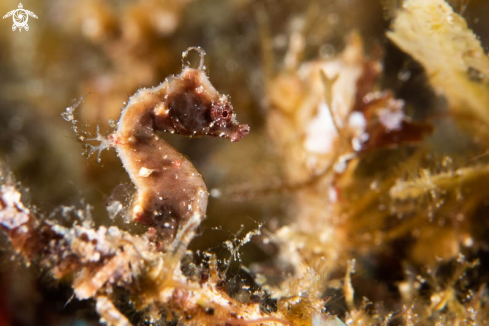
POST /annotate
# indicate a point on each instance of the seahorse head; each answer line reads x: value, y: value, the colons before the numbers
x: 196, y: 108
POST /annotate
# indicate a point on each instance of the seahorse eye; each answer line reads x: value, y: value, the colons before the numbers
x: 221, y: 114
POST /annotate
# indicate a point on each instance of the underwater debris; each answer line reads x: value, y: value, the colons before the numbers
x: 97, y: 261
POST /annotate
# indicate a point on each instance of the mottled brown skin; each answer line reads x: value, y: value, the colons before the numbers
x: 171, y: 192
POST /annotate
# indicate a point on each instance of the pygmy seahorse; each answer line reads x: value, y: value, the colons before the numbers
x: 171, y: 194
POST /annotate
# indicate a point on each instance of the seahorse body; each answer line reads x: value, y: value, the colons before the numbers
x: 171, y: 193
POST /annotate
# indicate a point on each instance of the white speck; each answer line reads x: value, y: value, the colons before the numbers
x: 145, y: 172
x: 340, y: 167
x: 216, y: 193
x: 356, y: 120
x: 360, y: 138
x: 10, y: 216
x: 404, y: 75
x: 468, y: 242
x: 321, y: 131
x: 391, y: 119
x: 112, y: 123
x: 342, y: 163
x: 114, y: 208
x: 333, y: 195
x: 113, y: 231
x: 356, y: 144
x: 137, y: 209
